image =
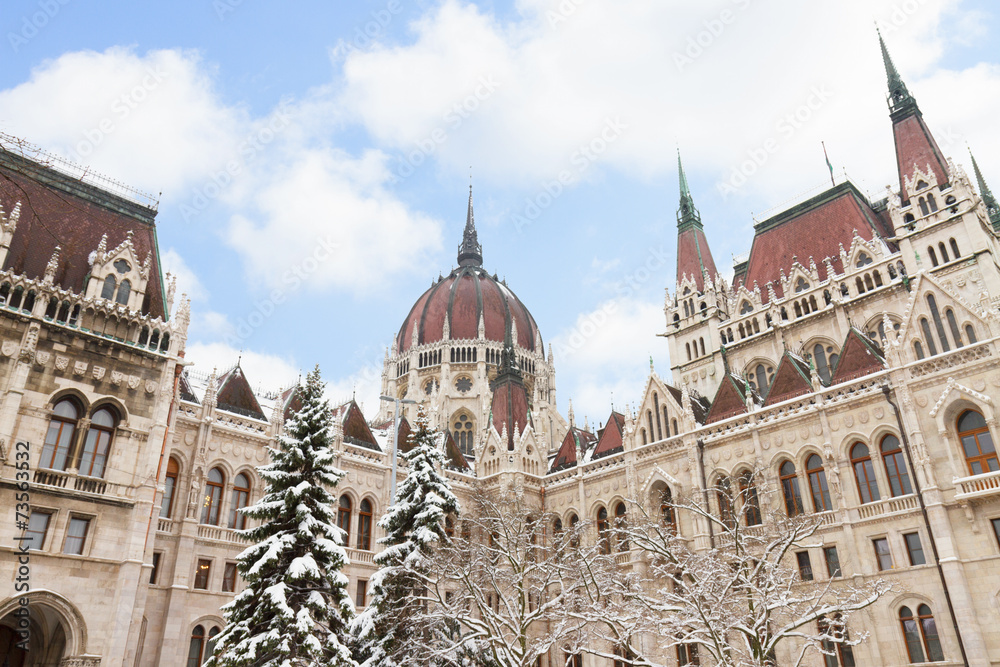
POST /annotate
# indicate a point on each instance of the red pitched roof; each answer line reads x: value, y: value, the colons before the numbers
x: 356, y: 429
x: 610, y: 437
x: 729, y: 399
x: 57, y: 210
x: 235, y: 395
x: 915, y: 145
x: 694, y: 256
x: 509, y: 407
x: 816, y: 228
x: 790, y: 380
x: 859, y: 356
x: 566, y: 456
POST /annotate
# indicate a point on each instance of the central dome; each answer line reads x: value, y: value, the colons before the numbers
x: 467, y: 296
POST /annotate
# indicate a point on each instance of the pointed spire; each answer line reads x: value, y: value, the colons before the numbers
x: 687, y: 214
x: 992, y: 207
x: 572, y: 420
x: 470, y: 252
x: 899, y: 96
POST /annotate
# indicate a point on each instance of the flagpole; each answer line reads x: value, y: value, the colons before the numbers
x: 828, y: 165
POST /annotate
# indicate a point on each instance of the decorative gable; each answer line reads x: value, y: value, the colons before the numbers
x: 729, y: 400
x: 235, y: 395
x: 790, y: 380
x: 859, y: 356
x: 118, y: 275
x: 610, y: 440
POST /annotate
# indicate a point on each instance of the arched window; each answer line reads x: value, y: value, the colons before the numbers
x: 751, y: 502
x: 723, y: 491
x: 864, y: 473
x: 837, y: 652
x: 645, y: 440
x: 956, y: 333
x: 923, y: 206
x: 895, y: 466
x: 365, y: 525
x: 938, y: 325
x: 918, y: 350
x: 676, y: 430
x: 934, y: 259
x: 649, y: 419
x: 659, y: 424
x: 574, y: 540
x: 557, y: 528
x: 463, y: 435
x: 98, y: 443
x: 213, y: 497
x: 169, y: 488
x: 210, y: 644
x: 449, y: 526
x: 762, y: 379
x: 241, y: 497
x: 621, y: 526
x: 825, y: 360
x: 603, y: 533
x: 687, y: 347
x: 954, y: 249
x: 923, y: 644
x: 925, y: 327
x: 123, y: 292
x: 977, y: 443
x: 666, y: 421
x: 932, y: 202
x: 817, y: 484
x: 108, y: 290
x: 970, y: 333
x: 944, y: 253
x: 59, y: 437
x: 701, y: 344
x: 344, y: 517
x: 667, y: 510
x: 790, y: 489
x: 197, y: 647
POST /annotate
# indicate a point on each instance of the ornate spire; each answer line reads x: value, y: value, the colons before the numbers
x: 992, y: 207
x: 508, y: 358
x: 470, y: 252
x: 687, y: 214
x: 900, y: 98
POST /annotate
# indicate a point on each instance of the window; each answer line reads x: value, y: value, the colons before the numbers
x: 213, y: 497
x: 59, y: 437
x: 123, y: 292
x: 667, y: 511
x: 922, y: 641
x: 864, y: 473
x: 836, y: 652
x: 197, y: 646
x: 229, y: 578
x: 882, y: 555
x: 954, y: 249
x: 801, y: 285
x: 977, y: 444
x: 361, y: 597
x: 790, y: 489
x: 76, y: 535
x: 621, y: 525
x: 914, y: 549
x: 241, y: 497
x: 604, y: 539
x: 365, y: 525
x: 38, y: 528
x: 895, y: 466
x: 344, y: 518
x: 155, y: 571
x: 108, y: 289
x: 956, y: 333
x: 970, y: 333
x: 201, y: 574
x: 805, y: 566
x: 572, y: 659
x: 996, y: 529
x: 826, y: 360
x: 98, y: 443
x: 463, y: 432
x: 449, y: 526
x: 751, y: 502
x: 169, y: 488
x: 832, y: 562
x: 817, y: 484
x: 725, y: 496
x: 210, y: 644
x: 938, y: 325
x: 687, y: 654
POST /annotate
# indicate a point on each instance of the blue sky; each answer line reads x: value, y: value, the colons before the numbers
x: 314, y: 158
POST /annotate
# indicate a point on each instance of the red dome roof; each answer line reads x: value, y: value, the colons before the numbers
x: 464, y: 295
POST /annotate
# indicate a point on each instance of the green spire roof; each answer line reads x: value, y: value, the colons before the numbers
x: 900, y: 98
x: 992, y: 207
x: 687, y: 214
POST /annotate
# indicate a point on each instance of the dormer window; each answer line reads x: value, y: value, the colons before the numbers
x: 108, y: 291
x: 121, y: 266
x: 123, y: 292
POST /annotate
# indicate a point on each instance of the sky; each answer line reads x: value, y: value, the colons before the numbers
x: 312, y: 160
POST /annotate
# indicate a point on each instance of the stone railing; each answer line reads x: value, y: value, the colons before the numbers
x: 359, y: 557
x: 164, y: 526
x: 93, y: 486
x: 219, y: 534
x: 977, y: 486
x: 949, y: 360
x: 878, y: 508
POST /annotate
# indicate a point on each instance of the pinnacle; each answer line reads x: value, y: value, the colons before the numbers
x: 470, y: 252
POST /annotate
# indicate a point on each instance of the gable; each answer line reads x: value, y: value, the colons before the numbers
x: 356, y: 429
x: 859, y: 356
x: 937, y: 320
x: 790, y: 380
x: 610, y: 441
x: 729, y: 401
x: 235, y: 395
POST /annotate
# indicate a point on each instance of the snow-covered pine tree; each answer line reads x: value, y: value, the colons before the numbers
x: 295, y: 610
x: 413, y: 524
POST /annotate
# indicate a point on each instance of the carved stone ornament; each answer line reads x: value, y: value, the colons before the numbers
x: 133, y: 381
x: 98, y: 372
x: 117, y: 377
x: 922, y: 401
x: 151, y: 386
x: 62, y: 363
x: 79, y: 367
x: 9, y: 347
x: 42, y: 358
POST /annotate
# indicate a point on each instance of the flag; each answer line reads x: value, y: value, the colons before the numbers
x: 828, y: 165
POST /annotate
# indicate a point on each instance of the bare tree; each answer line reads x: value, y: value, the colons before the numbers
x: 734, y: 601
x: 497, y: 593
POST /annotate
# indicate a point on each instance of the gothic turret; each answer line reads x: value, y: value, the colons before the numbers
x: 694, y: 258
x: 509, y: 406
x: 918, y: 157
x: 992, y: 207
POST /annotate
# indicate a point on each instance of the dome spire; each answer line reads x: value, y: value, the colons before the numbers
x: 470, y: 252
x: 899, y: 96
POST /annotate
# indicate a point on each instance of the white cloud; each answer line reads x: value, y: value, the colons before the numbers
x: 265, y: 371
x: 606, y: 353
x: 187, y: 281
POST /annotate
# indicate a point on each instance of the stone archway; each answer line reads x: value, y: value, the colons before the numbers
x: 57, y: 634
